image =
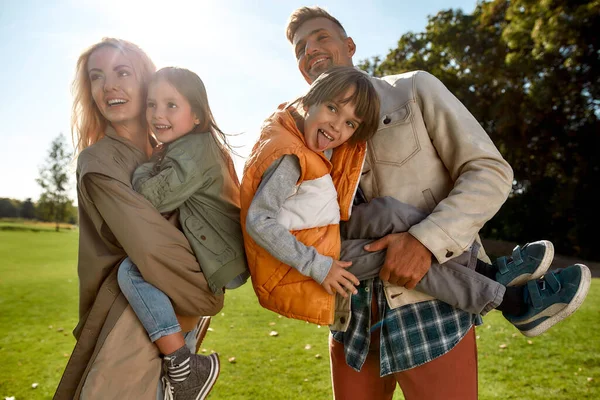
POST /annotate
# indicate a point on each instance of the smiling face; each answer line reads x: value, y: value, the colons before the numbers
x: 117, y: 92
x: 168, y: 113
x: 330, y: 124
x: 320, y: 44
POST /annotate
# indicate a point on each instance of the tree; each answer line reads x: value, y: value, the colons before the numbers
x: 54, y: 180
x: 27, y: 209
x: 529, y: 71
x: 8, y: 208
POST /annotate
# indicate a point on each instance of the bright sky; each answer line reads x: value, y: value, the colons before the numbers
x: 237, y: 47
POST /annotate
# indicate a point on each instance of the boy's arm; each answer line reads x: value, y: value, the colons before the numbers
x: 278, y: 183
x: 171, y: 178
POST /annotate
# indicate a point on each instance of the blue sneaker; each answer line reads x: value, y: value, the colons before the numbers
x: 551, y: 299
x: 526, y: 263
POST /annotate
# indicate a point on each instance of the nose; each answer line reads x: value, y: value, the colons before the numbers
x: 336, y: 124
x: 110, y: 83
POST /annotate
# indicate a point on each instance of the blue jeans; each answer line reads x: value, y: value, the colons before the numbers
x: 152, y: 307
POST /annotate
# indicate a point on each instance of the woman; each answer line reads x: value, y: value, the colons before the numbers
x: 113, y: 357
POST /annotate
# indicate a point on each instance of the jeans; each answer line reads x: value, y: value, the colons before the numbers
x: 152, y: 307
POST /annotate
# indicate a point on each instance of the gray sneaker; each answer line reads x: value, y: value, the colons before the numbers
x: 204, y: 373
x: 526, y: 263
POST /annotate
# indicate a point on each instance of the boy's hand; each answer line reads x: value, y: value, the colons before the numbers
x: 339, y: 280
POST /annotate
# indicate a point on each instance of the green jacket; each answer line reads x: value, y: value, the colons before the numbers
x: 194, y: 175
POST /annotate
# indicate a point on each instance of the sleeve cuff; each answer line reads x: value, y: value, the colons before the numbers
x: 320, y: 268
x: 442, y: 246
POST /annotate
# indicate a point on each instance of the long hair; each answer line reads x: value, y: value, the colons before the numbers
x: 87, y: 123
x: 190, y: 86
x: 333, y: 85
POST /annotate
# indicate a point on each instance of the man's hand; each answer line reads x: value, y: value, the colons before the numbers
x: 339, y: 280
x: 406, y: 262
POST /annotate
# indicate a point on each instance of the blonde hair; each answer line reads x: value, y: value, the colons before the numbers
x: 303, y: 14
x: 87, y: 123
x: 333, y: 84
x: 190, y: 86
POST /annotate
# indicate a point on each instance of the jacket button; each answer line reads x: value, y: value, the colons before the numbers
x: 386, y: 120
x: 449, y: 253
x: 203, y: 237
x: 366, y: 288
x: 342, y: 320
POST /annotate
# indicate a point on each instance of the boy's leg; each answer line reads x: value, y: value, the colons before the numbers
x: 455, y: 282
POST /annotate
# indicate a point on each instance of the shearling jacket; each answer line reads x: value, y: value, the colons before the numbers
x: 310, y: 215
x: 196, y: 176
x: 113, y: 356
x: 430, y: 152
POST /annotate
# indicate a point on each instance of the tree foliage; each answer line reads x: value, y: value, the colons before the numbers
x: 529, y: 71
x: 54, y: 180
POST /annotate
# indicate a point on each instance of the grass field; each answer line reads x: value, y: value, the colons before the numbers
x: 38, y: 309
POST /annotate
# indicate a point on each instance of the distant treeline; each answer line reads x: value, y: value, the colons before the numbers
x: 41, y: 210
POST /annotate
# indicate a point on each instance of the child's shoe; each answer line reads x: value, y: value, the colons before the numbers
x: 203, y: 376
x: 526, y: 263
x: 551, y: 299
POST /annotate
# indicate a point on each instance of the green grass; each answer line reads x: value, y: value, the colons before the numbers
x: 38, y: 309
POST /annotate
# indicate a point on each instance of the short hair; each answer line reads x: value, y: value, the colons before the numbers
x: 87, y: 123
x: 333, y: 84
x: 303, y: 14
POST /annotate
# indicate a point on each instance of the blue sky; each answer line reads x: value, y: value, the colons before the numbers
x: 237, y: 47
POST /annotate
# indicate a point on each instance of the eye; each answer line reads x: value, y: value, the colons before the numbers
x: 332, y: 108
x: 150, y: 104
x: 95, y: 77
x: 351, y: 124
x: 123, y: 72
x: 321, y: 37
x: 171, y: 105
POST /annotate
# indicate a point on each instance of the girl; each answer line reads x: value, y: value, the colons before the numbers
x: 113, y: 357
x: 193, y: 173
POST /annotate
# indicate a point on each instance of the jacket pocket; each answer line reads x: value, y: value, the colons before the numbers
x: 205, y: 235
x: 429, y: 199
x: 396, y: 140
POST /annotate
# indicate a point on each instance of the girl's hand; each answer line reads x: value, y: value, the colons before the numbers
x: 339, y: 280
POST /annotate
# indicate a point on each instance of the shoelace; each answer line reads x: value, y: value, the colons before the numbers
x: 167, y: 388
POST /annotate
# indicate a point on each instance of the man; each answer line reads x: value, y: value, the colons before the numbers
x: 429, y: 151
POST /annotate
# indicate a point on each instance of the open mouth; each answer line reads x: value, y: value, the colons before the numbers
x: 322, y: 132
x: 115, y: 102
x: 160, y: 128
x: 317, y: 62
x: 323, y: 139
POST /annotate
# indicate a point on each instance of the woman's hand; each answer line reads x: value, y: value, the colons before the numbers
x: 339, y: 280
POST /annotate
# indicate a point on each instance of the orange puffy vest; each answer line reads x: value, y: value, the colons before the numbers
x: 279, y: 287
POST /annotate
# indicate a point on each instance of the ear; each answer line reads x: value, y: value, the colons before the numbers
x: 351, y: 47
x: 196, y: 120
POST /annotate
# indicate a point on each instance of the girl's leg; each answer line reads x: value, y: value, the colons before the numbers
x: 153, y: 308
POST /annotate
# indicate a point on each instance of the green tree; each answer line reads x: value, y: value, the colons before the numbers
x: 28, y: 209
x: 530, y: 73
x: 54, y: 180
x: 8, y: 208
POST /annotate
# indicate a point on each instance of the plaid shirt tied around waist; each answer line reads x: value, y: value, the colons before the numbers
x: 410, y: 335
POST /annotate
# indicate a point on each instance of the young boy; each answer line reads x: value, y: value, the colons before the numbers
x: 300, y: 181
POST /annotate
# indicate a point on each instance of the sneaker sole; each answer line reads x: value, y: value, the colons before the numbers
x: 541, y: 269
x: 212, y: 378
x: 582, y: 291
x: 201, y: 329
